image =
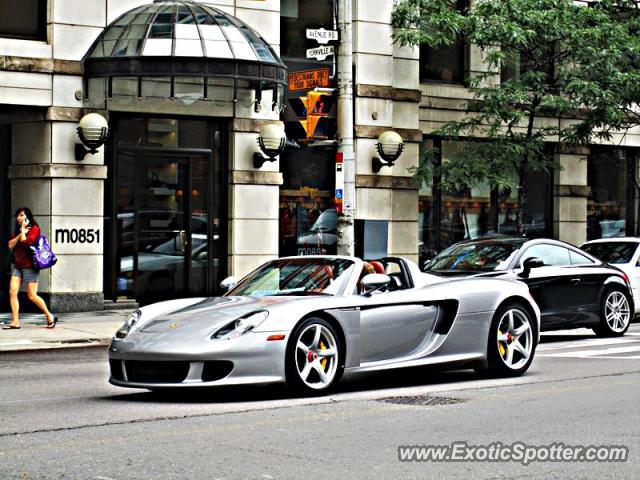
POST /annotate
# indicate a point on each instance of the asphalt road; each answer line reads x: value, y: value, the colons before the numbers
x: 61, y: 419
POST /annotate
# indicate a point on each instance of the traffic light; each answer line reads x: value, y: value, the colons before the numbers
x: 313, y: 112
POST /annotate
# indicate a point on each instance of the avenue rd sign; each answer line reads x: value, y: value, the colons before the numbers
x: 321, y: 35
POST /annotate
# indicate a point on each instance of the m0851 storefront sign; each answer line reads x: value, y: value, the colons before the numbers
x: 320, y: 53
x: 308, y: 79
x: 77, y: 235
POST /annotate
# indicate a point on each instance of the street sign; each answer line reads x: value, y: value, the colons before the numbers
x: 320, y: 53
x: 308, y: 79
x: 339, y: 194
x: 321, y: 35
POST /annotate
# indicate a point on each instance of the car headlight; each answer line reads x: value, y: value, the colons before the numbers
x: 241, y: 326
x: 128, y: 324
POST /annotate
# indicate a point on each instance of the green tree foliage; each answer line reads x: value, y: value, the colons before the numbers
x: 580, y: 81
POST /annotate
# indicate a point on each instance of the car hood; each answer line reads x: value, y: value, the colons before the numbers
x: 203, y: 318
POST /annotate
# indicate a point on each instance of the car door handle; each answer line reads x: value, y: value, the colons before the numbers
x: 574, y: 281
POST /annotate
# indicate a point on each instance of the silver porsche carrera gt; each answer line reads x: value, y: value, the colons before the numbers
x: 307, y: 321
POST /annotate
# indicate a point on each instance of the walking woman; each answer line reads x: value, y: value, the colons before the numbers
x: 26, y: 234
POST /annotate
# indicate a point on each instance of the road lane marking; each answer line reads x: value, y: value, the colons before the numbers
x: 585, y: 343
x: 600, y: 353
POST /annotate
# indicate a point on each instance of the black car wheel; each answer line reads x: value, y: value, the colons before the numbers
x: 615, y: 313
x: 513, y: 337
x: 314, y: 361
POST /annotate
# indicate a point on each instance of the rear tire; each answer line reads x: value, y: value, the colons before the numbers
x: 315, y: 357
x: 512, y: 341
x: 615, y: 313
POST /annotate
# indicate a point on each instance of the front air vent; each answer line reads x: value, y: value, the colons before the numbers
x: 216, y: 370
x: 156, y: 372
x: 116, y: 370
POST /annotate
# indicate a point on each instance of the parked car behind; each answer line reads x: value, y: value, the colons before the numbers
x: 572, y: 288
x: 624, y: 253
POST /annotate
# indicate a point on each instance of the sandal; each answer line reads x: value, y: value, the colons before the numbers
x: 9, y: 326
x: 52, y: 324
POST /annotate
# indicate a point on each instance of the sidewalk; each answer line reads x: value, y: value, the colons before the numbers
x: 72, y: 330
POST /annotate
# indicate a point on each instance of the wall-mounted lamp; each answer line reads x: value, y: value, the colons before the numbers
x: 92, y: 130
x: 271, y: 140
x: 390, y: 146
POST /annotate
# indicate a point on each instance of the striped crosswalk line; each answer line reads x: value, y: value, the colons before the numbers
x: 621, y: 348
x: 594, y: 352
x: 591, y: 342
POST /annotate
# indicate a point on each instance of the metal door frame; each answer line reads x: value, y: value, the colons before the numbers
x: 111, y: 220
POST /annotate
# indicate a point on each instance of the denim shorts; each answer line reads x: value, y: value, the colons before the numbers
x: 29, y: 275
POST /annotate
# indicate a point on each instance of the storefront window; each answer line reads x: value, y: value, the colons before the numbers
x: 427, y: 234
x: 449, y: 216
x: 168, y: 208
x: 308, y: 218
x: 607, y: 175
x: 444, y: 64
x: 8, y: 221
x: 25, y: 19
x: 298, y: 15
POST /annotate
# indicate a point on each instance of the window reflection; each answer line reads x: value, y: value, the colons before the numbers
x: 606, y: 204
x: 449, y: 216
x: 308, y: 218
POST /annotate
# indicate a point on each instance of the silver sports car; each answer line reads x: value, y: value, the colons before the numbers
x: 307, y: 321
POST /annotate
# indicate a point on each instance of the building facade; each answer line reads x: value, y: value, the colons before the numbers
x: 173, y: 202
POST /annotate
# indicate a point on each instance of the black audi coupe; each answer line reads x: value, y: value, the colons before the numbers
x: 572, y: 288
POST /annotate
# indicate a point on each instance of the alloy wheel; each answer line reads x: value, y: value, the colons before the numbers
x: 617, y: 312
x: 515, y: 338
x: 316, y: 356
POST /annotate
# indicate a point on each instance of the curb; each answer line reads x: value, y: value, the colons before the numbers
x: 26, y: 345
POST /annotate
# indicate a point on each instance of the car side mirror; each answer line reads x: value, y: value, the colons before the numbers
x: 374, y: 282
x: 228, y: 283
x: 528, y: 264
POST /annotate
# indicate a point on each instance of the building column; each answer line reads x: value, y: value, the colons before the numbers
x: 66, y: 197
x: 570, y: 195
x: 387, y: 97
x: 253, y: 201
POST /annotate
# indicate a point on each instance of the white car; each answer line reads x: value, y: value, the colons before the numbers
x: 621, y: 252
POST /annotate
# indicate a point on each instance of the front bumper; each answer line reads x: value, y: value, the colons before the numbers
x: 249, y: 359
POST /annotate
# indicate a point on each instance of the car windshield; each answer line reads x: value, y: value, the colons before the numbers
x: 483, y: 256
x: 612, y: 252
x: 297, y: 276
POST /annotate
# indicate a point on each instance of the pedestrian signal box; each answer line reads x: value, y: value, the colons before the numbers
x: 313, y: 111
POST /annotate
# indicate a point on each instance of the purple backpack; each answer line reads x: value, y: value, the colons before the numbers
x: 43, y: 256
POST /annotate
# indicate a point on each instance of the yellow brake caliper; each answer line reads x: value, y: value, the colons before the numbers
x: 323, y: 362
x: 501, y: 348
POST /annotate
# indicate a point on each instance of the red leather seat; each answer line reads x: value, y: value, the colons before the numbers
x: 377, y: 266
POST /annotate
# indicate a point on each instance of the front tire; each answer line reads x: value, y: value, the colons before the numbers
x: 513, y: 337
x: 314, y: 359
x: 615, y: 313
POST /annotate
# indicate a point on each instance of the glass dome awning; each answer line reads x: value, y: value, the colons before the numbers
x: 182, y: 38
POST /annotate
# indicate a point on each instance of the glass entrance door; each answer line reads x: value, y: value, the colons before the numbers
x: 163, y: 224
